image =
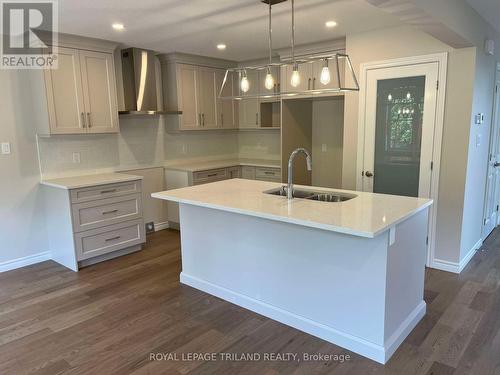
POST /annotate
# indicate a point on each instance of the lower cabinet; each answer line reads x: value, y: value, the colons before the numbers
x: 261, y: 173
x: 92, y: 224
x: 175, y: 179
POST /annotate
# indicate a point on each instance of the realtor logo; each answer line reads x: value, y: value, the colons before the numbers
x: 29, y: 34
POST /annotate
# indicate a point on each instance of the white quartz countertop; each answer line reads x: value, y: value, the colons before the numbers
x: 195, y: 166
x: 77, y: 182
x: 367, y: 215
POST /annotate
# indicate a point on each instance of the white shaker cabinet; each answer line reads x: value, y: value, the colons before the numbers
x: 99, y: 92
x: 81, y: 93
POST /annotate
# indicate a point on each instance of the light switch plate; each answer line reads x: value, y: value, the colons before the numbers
x: 76, y: 157
x: 5, y: 148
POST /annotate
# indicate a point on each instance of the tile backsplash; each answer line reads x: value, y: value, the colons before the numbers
x: 144, y: 142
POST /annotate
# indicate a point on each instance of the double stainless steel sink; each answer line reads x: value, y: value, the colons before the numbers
x: 322, y: 196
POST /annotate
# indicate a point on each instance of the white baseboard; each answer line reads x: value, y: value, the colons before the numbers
x: 469, y: 255
x: 25, y: 261
x: 358, y: 345
x: 392, y: 344
x: 161, y: 226
x: 445, y: 265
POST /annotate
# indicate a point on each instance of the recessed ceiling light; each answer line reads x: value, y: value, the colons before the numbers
x: 118, y: 26
x: 330, y: 23
x: 221, y: 46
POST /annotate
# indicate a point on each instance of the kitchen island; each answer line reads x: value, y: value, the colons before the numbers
x: 350, y: 272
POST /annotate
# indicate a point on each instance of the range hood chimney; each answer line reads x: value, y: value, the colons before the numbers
x: 140, y: 82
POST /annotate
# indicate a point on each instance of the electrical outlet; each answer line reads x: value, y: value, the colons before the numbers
x: 150, y: 227
x: 323, y: 147
x: 5, y: 148
x: 76, y: 157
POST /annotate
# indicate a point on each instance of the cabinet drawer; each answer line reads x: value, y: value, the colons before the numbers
x: 268, y: 174
x: 234, y: 172
x: 95, y: 214
x: 101, y: 241
x: 204, y: 177
x: 248, y: 172
x: 105, y: 191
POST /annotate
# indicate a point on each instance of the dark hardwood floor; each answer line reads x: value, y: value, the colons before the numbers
x: 108, y: 318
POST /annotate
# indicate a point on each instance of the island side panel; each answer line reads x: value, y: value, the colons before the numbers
x: 405, y: 304
x: 332, y: 283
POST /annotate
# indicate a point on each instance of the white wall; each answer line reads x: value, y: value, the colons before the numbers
x: 142, y: 142
x: 260, y: 144
x: 327, y: 129
x: 403, y: 42
x: 22, y: 229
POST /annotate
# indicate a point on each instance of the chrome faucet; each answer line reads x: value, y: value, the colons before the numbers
x: 289, y: 189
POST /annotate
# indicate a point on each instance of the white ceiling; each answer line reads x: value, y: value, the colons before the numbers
x: 489, y: 10
x: 197, y: 26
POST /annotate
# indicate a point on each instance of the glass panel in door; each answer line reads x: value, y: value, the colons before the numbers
x: 398, y: 135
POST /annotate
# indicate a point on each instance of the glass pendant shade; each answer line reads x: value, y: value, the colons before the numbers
x: 269, y: 82
x: 295, y: 81
x: 325, y: 77
x: 244, y: 84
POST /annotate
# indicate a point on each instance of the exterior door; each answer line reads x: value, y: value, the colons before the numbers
x: 99, y: 90
x: 492, y: 198
x: 399, y: 129
x: 63, y: 87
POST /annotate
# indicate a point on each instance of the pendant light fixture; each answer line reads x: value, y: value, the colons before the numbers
x: 295, y: 81
x: 329, y: 60
x: 269, y: 82
x: 325, y: 74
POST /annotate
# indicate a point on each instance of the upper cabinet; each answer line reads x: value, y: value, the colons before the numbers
x: 227, y: 110
x: 194, y: 90
x: 310, y: 75
x: 99, y: 91
x: 81, y: 93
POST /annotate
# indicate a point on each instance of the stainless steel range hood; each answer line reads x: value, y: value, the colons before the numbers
x: 140, y: 81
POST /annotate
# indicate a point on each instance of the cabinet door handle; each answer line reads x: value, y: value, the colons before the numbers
x: 257, y: 119
x: 112, y: 238
x: 109, y: 212
x: 222, y: 119
x: 199, y: 120
x: 203, y: 117
x: 212, y: 175
x: 83, y: 120
x: 108, y: 191
x: 314, y: 83
x: 88, y: 118
x: 309, y: 84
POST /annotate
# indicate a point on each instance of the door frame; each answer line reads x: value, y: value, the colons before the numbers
x: 442, y: 60
x: 494, y: 137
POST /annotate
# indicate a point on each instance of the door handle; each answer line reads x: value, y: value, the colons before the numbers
x: 368, y: 174
x: 88, y: 118
x: 497, y: 164
x: 203, y: 117
x: 309, y: 84
x: 83, y: 120
x: 314, y: 83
